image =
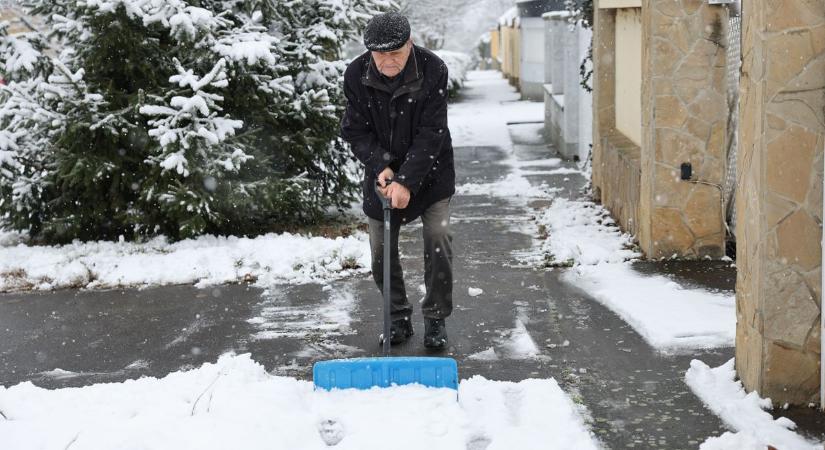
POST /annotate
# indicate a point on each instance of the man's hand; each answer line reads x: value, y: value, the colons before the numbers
x: 399, y: 195
x: 382, y: 181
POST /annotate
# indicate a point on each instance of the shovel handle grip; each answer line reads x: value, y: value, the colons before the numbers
x: 385, y: 202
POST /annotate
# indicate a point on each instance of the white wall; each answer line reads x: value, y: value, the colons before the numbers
x: 585, y: 98
x: 568, y: 106
x: 532, y: 50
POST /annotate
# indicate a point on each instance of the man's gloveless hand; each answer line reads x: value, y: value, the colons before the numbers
x: 398, y: 194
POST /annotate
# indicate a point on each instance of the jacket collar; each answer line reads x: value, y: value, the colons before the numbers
x: 413, y: 77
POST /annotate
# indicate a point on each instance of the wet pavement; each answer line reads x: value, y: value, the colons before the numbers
x: 635, y: 396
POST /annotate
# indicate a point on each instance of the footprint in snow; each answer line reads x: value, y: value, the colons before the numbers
x: 331, y: 432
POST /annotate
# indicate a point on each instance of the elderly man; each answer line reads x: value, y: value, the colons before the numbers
x: 396, y: 124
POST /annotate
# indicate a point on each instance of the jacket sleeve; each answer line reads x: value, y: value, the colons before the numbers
x: 356, y: 129
x: 428, y: 136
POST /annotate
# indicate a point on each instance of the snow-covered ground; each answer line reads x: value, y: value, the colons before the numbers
x: 754, y: 428
x: 236, y: 404
x: 483, y: 121
x: 206, y: 260
x: 582, y: 236
x: 581, y: 232
x: 669, y: 317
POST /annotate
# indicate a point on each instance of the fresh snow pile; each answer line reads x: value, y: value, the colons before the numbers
x: 457, y: 65
x: 743, y: 412
x: 206, y: 260
x: 581, y: 232
x: 235, y: 403
x: 667, y: 316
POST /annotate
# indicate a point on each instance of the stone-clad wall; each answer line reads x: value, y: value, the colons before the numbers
x: 604, y: 97
x: 779, y: 199
x: 684, y: 120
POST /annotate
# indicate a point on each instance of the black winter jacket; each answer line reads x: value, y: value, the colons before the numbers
x: 406, y: 130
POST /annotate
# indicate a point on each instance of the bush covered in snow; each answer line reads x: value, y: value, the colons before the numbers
x: 457, y: 65
x: 134, y: 117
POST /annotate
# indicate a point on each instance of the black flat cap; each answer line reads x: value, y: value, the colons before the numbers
x: 387, y: 32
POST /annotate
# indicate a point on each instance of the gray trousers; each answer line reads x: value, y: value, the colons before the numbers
x: 438, y: 264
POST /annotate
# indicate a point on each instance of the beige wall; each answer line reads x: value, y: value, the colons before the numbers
x: 620, y: 4
x: 779, y: 199
x: 510, y: 53
x: 506, y: 51
x: 629, y: 73
x: 16, y: 25
x: 516, y: 52
x: 495, y: 42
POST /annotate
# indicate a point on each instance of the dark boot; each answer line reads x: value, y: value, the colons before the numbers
x: 400, y: 330
x: 435, y: 333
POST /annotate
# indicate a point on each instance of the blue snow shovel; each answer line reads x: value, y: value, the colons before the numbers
x: 365, y: 373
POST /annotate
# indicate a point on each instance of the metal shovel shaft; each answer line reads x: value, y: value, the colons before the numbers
x: 387, y: 236
x: 387, y: 304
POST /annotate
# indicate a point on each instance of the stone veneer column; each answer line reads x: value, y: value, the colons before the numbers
x: 684, y: 120
x: 604, y: 94
x: 779, y: 199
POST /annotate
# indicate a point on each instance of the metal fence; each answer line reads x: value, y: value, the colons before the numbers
x: 734, y: 63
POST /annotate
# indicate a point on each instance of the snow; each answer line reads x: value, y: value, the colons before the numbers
x: 668, y: 316
x: 509, y: 17
x: 557, y: 15
x: 519, y: 344
x: 23, y: 56
x: 513, y: 186
x: 278, y: 318
x: 235, y: 403
x: 250, y: 48
x: 207, y: 260
x: 582, y: 232
x: 486, y: 355
x: 483, y: 121
x: 9, y: 238
x: 743, y: 412
x: 457, y: 65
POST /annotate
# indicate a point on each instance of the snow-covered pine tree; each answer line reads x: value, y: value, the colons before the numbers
x: 175, y: 117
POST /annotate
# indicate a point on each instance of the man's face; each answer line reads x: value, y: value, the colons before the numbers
x: 392, y: 63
